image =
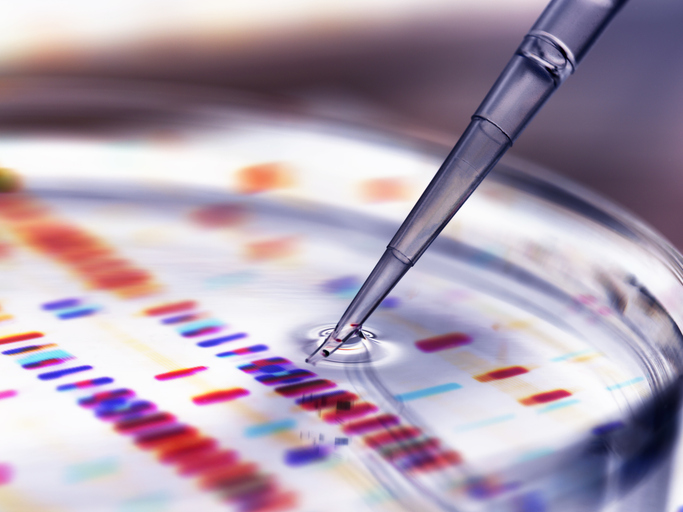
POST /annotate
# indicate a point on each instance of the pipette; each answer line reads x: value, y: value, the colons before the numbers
x: 549, y: 53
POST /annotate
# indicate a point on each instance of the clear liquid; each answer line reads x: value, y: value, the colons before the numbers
x: 154, y: 341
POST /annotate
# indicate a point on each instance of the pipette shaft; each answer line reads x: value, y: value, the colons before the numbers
x: 549, y: 53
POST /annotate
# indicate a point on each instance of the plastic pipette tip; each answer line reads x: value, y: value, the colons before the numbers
x: 325, y: 350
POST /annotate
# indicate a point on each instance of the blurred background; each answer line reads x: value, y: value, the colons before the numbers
x: 419, y: 67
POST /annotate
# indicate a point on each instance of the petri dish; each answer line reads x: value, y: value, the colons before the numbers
x: 165, y: 277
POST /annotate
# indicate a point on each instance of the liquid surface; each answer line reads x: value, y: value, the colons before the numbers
x: 153, y: 344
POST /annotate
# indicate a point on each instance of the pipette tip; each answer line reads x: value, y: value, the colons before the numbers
x: 333, y: 342
x: 324, y: 350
